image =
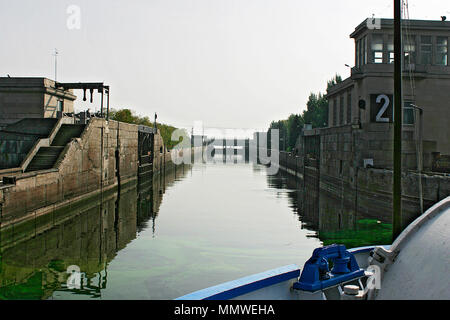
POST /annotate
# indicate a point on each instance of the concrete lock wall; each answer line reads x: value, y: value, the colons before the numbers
x: 105, y: 155
x: 161, y: 155
x: 87, y: 164
x: 335, y: 180
x: 344, y: 147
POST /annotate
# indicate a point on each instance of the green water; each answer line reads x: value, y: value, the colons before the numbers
x: 366, y: 233
x: 191, y: 228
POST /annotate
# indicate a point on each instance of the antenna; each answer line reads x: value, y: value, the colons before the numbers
x: 55, y: 54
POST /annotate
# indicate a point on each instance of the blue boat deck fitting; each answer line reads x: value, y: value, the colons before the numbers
x: 316, y: 274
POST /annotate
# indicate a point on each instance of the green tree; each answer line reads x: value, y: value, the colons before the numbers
x: 128, y: 116
x: 123, y: 115
x: 166, y: 133
x: 316, y: 114
x: 335, y: 80
x: 282, y: 131
x: 294, y: 128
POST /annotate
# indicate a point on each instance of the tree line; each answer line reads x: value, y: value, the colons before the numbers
x: 315, y: 114
x: 129, y: 116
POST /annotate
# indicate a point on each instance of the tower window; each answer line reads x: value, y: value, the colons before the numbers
x: 390, y: 48
x: 358, y: 50
x: 334, y: 111
x: 426, y: 46
x: 341, y: 110
x: 377, y: 48
x: 409, y: 49
x: 349, y: 107
x: 364, y: 51
x: 442, y: 51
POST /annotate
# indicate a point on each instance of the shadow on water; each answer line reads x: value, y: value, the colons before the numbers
x: 85, y: 236
x: 331, y: 221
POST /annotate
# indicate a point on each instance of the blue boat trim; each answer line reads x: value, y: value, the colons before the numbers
x: 367, y: 248
x: 239, y: 287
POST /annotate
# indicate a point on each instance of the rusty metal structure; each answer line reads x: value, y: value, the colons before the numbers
x: 91, y: 86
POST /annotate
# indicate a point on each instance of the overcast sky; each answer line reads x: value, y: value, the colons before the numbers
x: 228, y: 63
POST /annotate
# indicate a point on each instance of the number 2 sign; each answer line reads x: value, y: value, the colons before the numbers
x: 381, y: 107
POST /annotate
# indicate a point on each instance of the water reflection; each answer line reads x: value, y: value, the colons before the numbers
x: 186, y: 229
x: 333, y: 221
x: 87, y: 235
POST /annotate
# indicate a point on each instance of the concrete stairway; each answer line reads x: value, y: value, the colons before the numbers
x: 66, y: 133
x: 46, y: 157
